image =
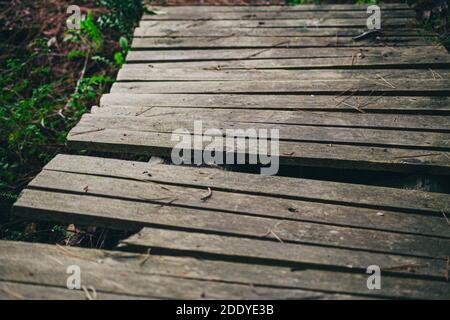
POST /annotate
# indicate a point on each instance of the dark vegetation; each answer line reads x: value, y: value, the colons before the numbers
x: 50, y: 76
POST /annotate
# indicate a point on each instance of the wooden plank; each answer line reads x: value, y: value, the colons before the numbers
x: 282, y: 187
x: 290, y: 153
x: 141, y: 72
x: 270, y: 42
x: 430, y: 54
x: 320, y: 284
x: 298, y: 117
x: 328, y: 87
x: 106, y: 206
x: 66, y: 203
x: 308, y: 211
x: 287, y: 132
x: 126, y: 274
x: 274, y: 15
x: 31, y: 291
x: 299, y: 22
x: 276, y: 253
x: 304, y: 63
x: 282, y: 8
x: 201, y: 31
x: 383, y: 104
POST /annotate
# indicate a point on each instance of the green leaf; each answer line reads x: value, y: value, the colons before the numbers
x: 123, y: 42
x: 76, y: 54
x: 118, y: 57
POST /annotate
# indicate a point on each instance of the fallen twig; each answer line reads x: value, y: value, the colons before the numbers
x: 434, y: 73
x: 354, y: 107
x: 275, y: 235
x: 222, y: 37
x: 381, y: 77
x: 169, y: 202
x: 445, y: 216
x: 264, y: 50
x: 204, y: 198
x: 88, y: 295
x: 89, y: 131
x: 144, y: 260
x: 143, y: 111
x: 408, y: 267
x: 418, y: 155
x: 12, y: 294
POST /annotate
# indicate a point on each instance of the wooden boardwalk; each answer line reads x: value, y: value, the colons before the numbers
x: 376, y: 104
x: 380, y: 104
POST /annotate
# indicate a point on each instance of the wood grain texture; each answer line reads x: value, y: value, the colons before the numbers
x: 125, y: 275
x: 33, y: 267
x: 284, y: 187
x: 379, y: 104
x: 290, y: 153
x: 270, y: 42
x: 277, y: 23
x: 128, y: 215
x: 370, y: 86
x: 277, y: 8
x: 142, y: 72
x: 202, y: 31
x: 361, y: 56
x: 287, y: 132
x: 274, y: 253
x: 274, y: 15
x: 297, y: 117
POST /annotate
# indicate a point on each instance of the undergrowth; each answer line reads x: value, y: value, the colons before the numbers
x: 49, y: 76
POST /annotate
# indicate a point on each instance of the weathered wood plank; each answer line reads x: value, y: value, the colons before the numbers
x: 299, y: 22
x: 32, y: 291
x: 327, y: 283
x: 387, y: 55
x: 106, y: 206
x: 270, y: 42
x: 329, y: 87
x: 274, y: 253
x: 290, y: 153
x: 289, y: 209
x: 383, y: 104
x: 122, y: 210
x: 349, y: 62
x: 202, y: 31
x: 283, y: 187
x: 288, y: 8
x: 288, y: 132
x: 298, y: 117
x: 142, y: 72
x: 125, y: 274
x: 274, y: 15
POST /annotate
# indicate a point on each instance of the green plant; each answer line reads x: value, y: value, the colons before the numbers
x: 367, y: 1
x: 122, y: 15
x: 45, y: 86
x: 119, y: 56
